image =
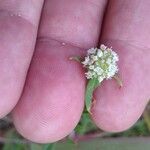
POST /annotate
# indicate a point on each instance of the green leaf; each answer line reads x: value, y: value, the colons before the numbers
x: 49, y: 146
x: 70, y: 141
x: 76, y: 58
x: 91, y: 86
x: 34, y: 146
x: 146, y: 115
x: 85, y: 125
x: 14, y: 146
x: 11, y: 142
x: 118, y: 80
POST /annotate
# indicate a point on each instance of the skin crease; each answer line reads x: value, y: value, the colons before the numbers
x: 52, y: 101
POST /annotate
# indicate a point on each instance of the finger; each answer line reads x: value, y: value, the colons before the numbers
x: 18, y: 28
x: 126, y: 29
x: 53, y: 99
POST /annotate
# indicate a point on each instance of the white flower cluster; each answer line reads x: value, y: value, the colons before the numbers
x: 101, y: 63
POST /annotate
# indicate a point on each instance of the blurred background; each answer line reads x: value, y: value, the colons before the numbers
x: 86, y: 136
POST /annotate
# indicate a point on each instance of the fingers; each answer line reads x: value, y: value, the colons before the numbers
x: 18, y: 28
x: 53, y: 99
x: 77, y: 21
x: 126, y: 29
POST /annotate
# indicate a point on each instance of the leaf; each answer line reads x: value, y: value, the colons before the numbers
x: 146, y: 115
x: 91, y: 86
x: 85, y: 125
x: 49, y: 146
x: 11, y: 136
x: 15, y: 146
x: 76, y: 58
x: 70, y: 141
x: 34, y: 146
x: 119, y: 81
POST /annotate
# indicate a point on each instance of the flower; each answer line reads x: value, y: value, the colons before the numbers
x: 92, y: 50
x: 101, y: 63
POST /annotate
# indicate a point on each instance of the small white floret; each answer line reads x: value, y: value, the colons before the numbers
x: 86, y: 61
x: 99, y: 53
x: 95, y: 58
x: 91, y: 67
x: 103, y: 47
x: 92, y: 51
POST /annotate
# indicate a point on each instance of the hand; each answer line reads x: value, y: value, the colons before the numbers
x: 49, y: 98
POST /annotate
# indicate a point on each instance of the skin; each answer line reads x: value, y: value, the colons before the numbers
x: 45, y: 89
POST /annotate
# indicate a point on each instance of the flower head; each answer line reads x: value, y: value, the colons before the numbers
x: 101, y: 63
